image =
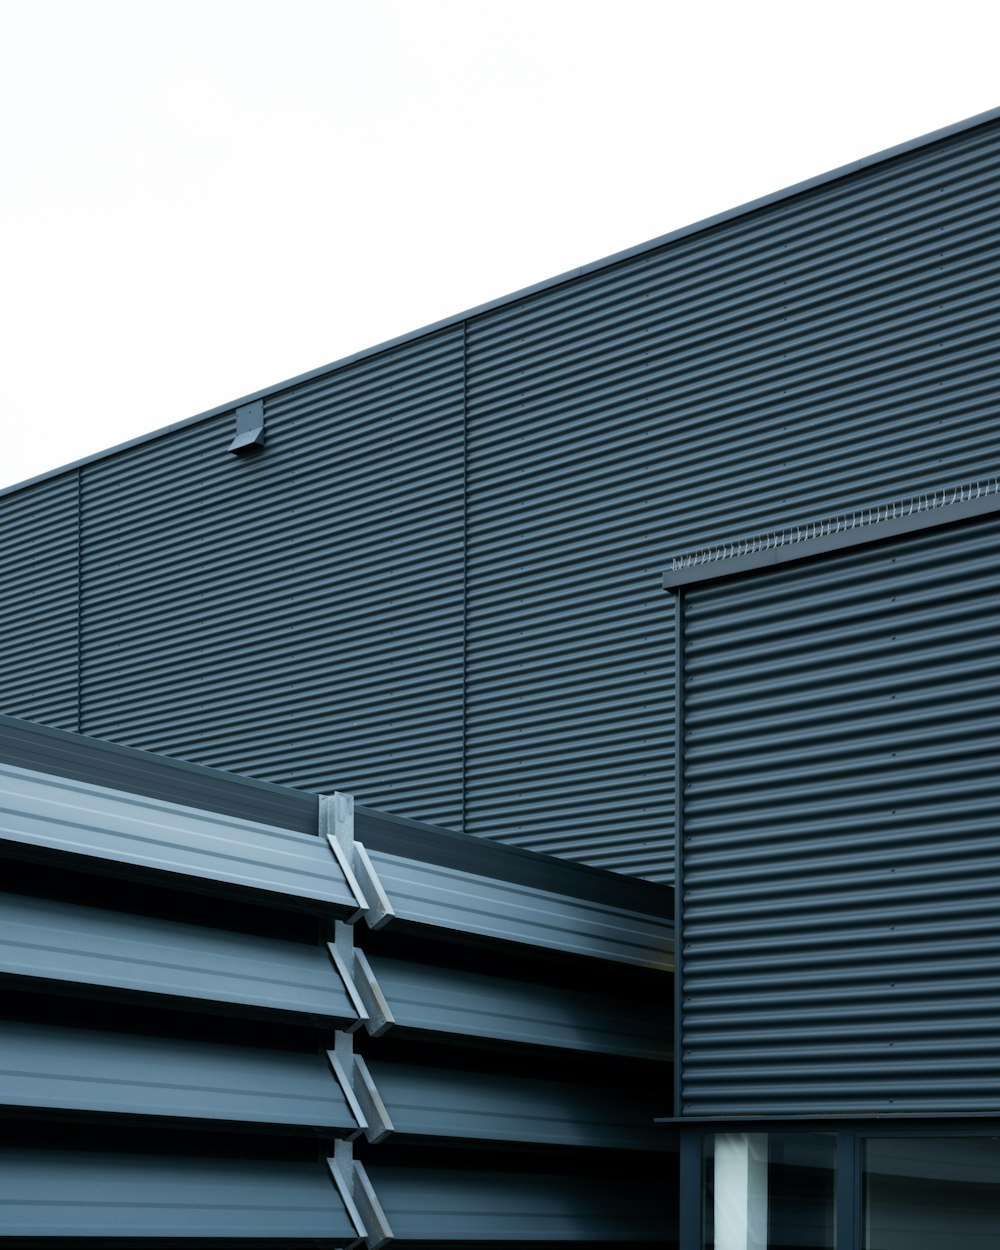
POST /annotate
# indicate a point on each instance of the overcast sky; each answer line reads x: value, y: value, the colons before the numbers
x: 201, y: 199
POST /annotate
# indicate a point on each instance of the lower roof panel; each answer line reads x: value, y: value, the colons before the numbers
x: 78, y: 1194
x: 87, y: 949
x: 50, y: 1068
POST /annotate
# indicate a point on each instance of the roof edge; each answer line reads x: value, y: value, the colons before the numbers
x: 65, y: 753
x: 697, y: 227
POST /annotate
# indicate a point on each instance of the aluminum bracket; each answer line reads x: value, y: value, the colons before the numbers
x: 380, y: 1123
x: 379, y: 1230
x: 344, y: 1180
x: 356, y: 995
x: 380, y: 910
x: 379, y: 1015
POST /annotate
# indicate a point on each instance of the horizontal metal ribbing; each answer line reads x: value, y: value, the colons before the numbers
x: 88, y: 950
x: 78, y: 1193
x: 825, y: 354
x: 95, y: 1072
x: 840, y: 854
x: 39, y: 576
x: 354, y: 686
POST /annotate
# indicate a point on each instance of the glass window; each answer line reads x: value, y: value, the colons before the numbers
x: 925, y: 1194
x: 769, y: 1191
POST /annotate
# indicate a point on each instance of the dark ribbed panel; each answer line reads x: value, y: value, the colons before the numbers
x: 108, y: 1196
x: 38, y: 603
x: 177, y: 1040
x: 841, y: 837
x: 296, y: 614
x: 304, y: 614
x: 824, y: 353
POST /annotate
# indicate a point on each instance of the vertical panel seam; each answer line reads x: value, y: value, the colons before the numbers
x: 678, y: 852
x: 79, y: 600
x: 465, y: 574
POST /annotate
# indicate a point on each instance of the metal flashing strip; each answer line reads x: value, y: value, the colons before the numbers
x: 853, y: 529
x: 866, y: 162
x: 78, y: 757
x: 451, y: 900
x: 448, y: 848
x: 42, y: 815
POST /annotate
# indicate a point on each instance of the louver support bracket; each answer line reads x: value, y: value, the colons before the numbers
x: 378, y: 1121
x: 379, y: 1231
x: 267, y: 1022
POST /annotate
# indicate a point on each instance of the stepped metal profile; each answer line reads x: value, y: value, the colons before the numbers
x: 207, y: 1015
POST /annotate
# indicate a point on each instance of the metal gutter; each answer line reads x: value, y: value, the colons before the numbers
x: 707, y: 223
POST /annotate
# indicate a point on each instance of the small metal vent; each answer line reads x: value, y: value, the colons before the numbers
x: 249, y: 429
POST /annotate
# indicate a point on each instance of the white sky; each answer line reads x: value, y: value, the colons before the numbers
x: 201, y: 199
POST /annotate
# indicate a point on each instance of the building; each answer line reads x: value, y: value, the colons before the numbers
x: 432, y: 575
x: 235, y: 1014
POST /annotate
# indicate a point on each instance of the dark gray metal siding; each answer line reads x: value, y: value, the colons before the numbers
x: 77, y: 1194
x: 448, y: 1103
x: 216, y: 1058
x: 425, y: 998
x: 68, y: 946
x: 294, y: 615
x: 471, y: 903
x: 40, y: 813
x: 841, y: 851
x: 89, y: 1070
x: 428, y: 1207
x: 438, y: 585
x: 39, y: 602
x: 822, y: 353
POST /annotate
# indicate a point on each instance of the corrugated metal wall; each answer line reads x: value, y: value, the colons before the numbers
x: 438, y: 585
x: 39, y: 603
x: 828, y: 351
x: 841, y: 851
x: 296, y: 616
